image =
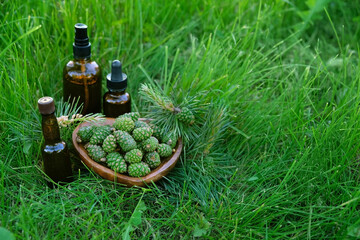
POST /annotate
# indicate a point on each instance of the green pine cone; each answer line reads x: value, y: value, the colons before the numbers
x: 85, y: 133
x: 124, y: 124
x: 139, y: 124
x: 141, y: 134
x: 138, y: 169
x: 109, y: 144
x: 118, y: 135
x: 133, y: 156
x: 156, y: 131
x: 133, y: 115
x: 169, y: 139
x: 152, y: 159
x: 125, y: 140
x: 116, y: 162
x: 186, y: 116
x: 96, y: 153
x: 100, y: 133
x: 164, y: 150
x: 150, y: 144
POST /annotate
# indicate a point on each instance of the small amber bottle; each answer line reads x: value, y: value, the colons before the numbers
x: 56, y: 158
x: 116, y: 101
x: 82, y: 76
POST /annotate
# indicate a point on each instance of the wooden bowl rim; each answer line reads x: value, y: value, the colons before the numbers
x: 156, y: 174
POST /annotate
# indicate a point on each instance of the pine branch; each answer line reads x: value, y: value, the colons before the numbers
x: 156, y: 97
x: 168, y: 117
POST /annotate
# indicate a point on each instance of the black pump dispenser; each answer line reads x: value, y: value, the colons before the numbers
x: 116, y: 80
x: 81, y: 46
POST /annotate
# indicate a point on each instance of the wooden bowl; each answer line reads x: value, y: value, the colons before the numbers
x: 156, y: 174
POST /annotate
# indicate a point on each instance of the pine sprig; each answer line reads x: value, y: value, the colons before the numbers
x: 155, y: 96
x: 69, y: 118
x: 167, y: 116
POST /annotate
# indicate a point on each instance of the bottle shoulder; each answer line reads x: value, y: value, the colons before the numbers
x: 82, y: 67
x: 55, y: 148
x: 116, y: 96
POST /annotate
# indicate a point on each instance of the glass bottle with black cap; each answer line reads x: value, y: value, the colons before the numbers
x: 56, y: 158
x: 82, y: 76
x: 116, y: 101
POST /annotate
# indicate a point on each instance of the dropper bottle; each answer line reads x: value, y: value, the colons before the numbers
x: 82, y: 76
x: 116, y: 101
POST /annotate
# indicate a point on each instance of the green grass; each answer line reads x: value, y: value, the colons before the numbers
x: 282, y: 161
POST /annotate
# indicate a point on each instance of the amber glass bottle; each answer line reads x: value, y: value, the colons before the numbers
x: 82, y: 76
x: 116, y: 101
x: 56, y: 158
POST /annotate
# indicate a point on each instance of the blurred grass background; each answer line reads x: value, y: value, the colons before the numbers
x: 286, y: 165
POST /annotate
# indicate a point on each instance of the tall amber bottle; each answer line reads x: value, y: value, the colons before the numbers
x: 56, y: 158
x: 82, y: 76
x: 116, y: 101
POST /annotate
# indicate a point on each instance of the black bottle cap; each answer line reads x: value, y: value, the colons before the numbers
x: 81, y: 46
x: 46, y: 105
x: 116, y: 80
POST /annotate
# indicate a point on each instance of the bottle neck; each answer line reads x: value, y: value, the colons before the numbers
x: 50, y: 129
x: 82, y: 59
x: 117, y: 92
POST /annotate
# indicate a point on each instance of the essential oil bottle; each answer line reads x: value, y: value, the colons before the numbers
x: 56, y: 158
x: 82, y: 76
x: 116, y: 101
